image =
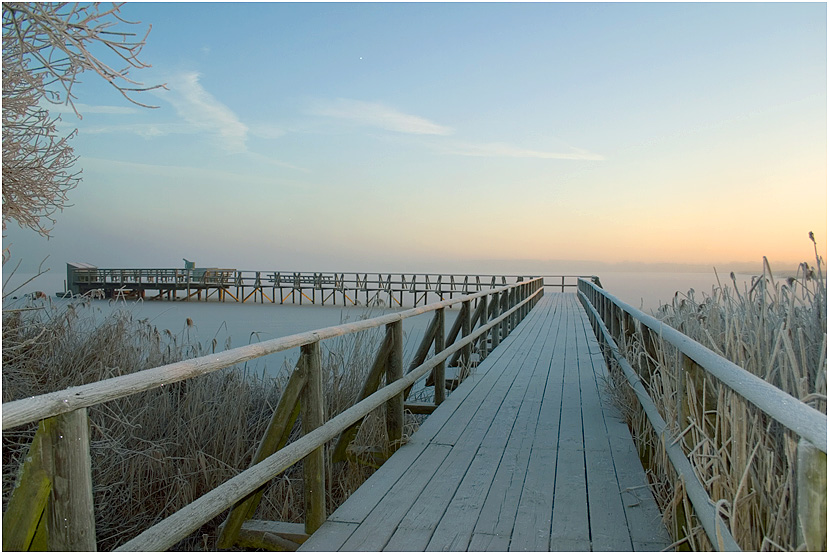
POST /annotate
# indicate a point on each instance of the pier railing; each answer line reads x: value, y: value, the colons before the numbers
x: 52, y: 505
x: 693, y: 384
x: 296, y: 287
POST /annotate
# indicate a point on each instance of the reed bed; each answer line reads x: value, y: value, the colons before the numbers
x: 774, y: 328
x: 155, y: 452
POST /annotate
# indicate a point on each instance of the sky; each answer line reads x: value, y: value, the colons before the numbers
x: 453, y: 137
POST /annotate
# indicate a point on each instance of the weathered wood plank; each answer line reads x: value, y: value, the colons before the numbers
x: 455, y: 529
x: 295, y: 532
x: 509, y: 355
x: 366, y: 497
x: 497, y: 517
x: 644, y: 520
x: 608, y: 529
x: 413, y: 532
x: 484, y: 542
x: 379, y: 525
x: 570, y: 523
x: 482, y: 377
x: 330, y: 537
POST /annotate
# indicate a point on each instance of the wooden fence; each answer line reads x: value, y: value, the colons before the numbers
x: 52, y: 504
x: 700, y: 376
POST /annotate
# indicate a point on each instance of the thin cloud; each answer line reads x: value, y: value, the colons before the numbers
x: 504, y: 150
x: 111, y: 110
x: 205, y: 113
x: 374, y: 114
x: 185, y: 174
x: 146, y: 130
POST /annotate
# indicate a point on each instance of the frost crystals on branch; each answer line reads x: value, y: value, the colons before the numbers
x: 46, y: 46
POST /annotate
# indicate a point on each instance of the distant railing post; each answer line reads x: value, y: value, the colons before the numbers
x: 466, y: 328
x: 811, y: 497
x: 525, y: 292
x: 496, y: 311
x: 513, y: 300
x: 394, y: 371
x: 440, y: 369
x: 482, y: 344
x: 313, y: 417
x: 504, y: 308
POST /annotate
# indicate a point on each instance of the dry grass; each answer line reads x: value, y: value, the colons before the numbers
x: 774, y: 329
x: 155, y: 452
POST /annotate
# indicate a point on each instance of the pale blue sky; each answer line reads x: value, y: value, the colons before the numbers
x: 454, y: 137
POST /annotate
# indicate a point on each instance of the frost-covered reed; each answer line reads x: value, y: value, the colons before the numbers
x: 774, y: 328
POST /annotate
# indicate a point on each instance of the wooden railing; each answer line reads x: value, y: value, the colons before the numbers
x: 52, y: 505
x: 297, y: 287
x: 698, y: 372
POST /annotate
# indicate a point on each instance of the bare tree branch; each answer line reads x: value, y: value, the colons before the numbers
x: 46, y: 46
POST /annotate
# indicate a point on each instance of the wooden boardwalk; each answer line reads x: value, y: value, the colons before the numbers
x: 527, y: 454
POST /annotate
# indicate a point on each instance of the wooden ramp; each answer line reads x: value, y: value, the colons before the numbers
x: 527, y: 454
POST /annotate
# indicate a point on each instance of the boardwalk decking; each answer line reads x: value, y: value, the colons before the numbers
x: 527, y: 454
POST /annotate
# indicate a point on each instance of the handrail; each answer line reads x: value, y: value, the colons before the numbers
x: 188, y: 519
x: 795, y: 415
x: 614, y: 320
x: 28, y: 410
x: 64, y: 414
x: 717, y: 532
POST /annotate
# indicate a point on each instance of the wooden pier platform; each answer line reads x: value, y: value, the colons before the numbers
x: 527, y: 454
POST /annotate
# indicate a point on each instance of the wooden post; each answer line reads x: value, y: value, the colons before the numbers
x: 645, y: 369
x: 811, y: 497
x: 466, y: 328
x: 522, y: 295
x: 496, y: 330
x: 510, y: 304
x: 482, y: 344
x: 71, y: 523
x: 313, y: 417
x: 504, y: 308
x: 394, y: 371
x: 440, y: 370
